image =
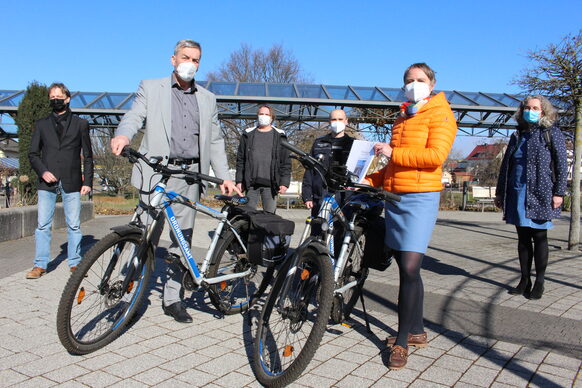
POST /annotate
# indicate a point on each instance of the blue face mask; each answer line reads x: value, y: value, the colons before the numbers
x: 531, y: 116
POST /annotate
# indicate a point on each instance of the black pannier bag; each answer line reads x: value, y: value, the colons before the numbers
x: 269, y: 236
x: 376, y: 254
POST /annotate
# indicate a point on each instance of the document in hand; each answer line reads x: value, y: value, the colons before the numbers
x: 360, y: 158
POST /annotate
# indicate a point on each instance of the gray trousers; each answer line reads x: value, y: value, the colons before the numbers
x: 264, y: 193
x: 185, y: 217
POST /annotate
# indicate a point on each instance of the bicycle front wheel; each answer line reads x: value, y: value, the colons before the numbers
x: 353, y: 271
x: 230, y: 257
x: 94, y: 309
x: 293, y: 320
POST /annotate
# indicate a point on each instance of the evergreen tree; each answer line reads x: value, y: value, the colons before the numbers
x: 34, y: 106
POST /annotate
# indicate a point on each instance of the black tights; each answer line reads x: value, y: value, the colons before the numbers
x: 410, y: 296
x: 529, y: 252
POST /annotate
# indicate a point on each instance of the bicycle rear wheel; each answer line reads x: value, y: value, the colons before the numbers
x: 293, y: 320
x: 94, y: 310
x: 236, y: 295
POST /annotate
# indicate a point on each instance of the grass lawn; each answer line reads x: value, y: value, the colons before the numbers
x: 108, y: 205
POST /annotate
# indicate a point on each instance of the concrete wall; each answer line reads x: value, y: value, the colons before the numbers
x: 18, y: 222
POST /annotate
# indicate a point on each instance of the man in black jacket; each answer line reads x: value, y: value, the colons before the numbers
x: 263, y: 167
x: 55, y: 156
x: 332, y: 149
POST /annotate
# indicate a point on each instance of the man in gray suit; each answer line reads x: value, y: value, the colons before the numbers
x: 181, y: 125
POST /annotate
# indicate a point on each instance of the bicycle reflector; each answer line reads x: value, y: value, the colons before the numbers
x: 288, y: 351
x: 222, y: 285
x: 304, y: 274
x: 81, y: 295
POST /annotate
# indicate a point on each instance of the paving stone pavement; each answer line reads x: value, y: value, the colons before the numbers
x: 471, y: 260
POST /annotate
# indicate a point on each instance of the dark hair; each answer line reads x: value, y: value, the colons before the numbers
x: 61, y: 86
x: 424, y: 67
x: 271, y: 111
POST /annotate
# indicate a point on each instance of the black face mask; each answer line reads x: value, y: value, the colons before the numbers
x: 58, y: 105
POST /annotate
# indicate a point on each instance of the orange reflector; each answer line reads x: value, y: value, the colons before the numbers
x: 222, y: 285
x: 130, y: 287
x: 346, y: 325
x: 288, y: 351
x: 81, y: 295
x: 304, y: 274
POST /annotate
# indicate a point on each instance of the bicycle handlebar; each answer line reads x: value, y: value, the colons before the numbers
x: 305, y: 158
x: 379, y: 192
x: 309, y: 161
x: 134, y: 155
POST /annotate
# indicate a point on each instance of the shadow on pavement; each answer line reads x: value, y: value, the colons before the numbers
x: 86, y: 243
x: 479, y: 348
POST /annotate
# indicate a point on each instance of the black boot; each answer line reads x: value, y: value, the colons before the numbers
x: 522, y: 288
x: 537, y: 291
x: 178, y: 312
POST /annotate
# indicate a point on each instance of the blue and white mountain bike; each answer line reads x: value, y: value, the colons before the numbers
x: 109, y: 285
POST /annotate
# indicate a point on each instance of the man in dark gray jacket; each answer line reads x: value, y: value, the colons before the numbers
x: 263, y: 166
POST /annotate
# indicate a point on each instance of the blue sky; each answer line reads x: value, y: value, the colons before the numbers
x: 112, y: 45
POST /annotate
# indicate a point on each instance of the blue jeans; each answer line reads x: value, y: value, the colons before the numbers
x: 46, y: 210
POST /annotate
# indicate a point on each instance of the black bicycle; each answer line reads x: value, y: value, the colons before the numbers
x: 320, y: 280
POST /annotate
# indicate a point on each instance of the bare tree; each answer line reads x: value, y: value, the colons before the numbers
x: 557, y: 73
x: 275, y: 65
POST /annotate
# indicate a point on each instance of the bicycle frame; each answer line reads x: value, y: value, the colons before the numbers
x: 166, y: 199
x: 330, y: 208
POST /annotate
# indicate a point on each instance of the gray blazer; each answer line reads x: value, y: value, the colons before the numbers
x: 152, y: 105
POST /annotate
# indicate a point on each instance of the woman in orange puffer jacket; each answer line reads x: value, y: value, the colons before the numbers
x: 421, y: 140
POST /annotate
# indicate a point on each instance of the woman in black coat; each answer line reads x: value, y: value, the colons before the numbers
x: 531, y: 186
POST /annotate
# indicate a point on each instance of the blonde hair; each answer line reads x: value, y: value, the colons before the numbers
x: 549, y: 117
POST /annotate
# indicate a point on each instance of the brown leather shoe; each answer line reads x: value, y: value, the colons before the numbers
x: 398, y: 357
x: 36, y: 273
x: 417, y: 340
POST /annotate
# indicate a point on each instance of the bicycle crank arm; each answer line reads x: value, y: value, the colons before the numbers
x: 343, y: 289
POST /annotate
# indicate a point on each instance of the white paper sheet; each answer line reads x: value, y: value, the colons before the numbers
x: 360, y: 158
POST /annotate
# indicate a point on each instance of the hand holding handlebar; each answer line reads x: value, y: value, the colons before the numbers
x: 134, y: 156
x: 118, y: 144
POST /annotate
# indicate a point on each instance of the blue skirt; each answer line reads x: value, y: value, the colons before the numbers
x: 515, y: 210
x: 410, y: 222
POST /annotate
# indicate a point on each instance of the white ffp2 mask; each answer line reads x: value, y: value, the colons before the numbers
x: 264, y: 120
x: 416, y: 91
x: 186, y: 71
x: 337, y: 126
